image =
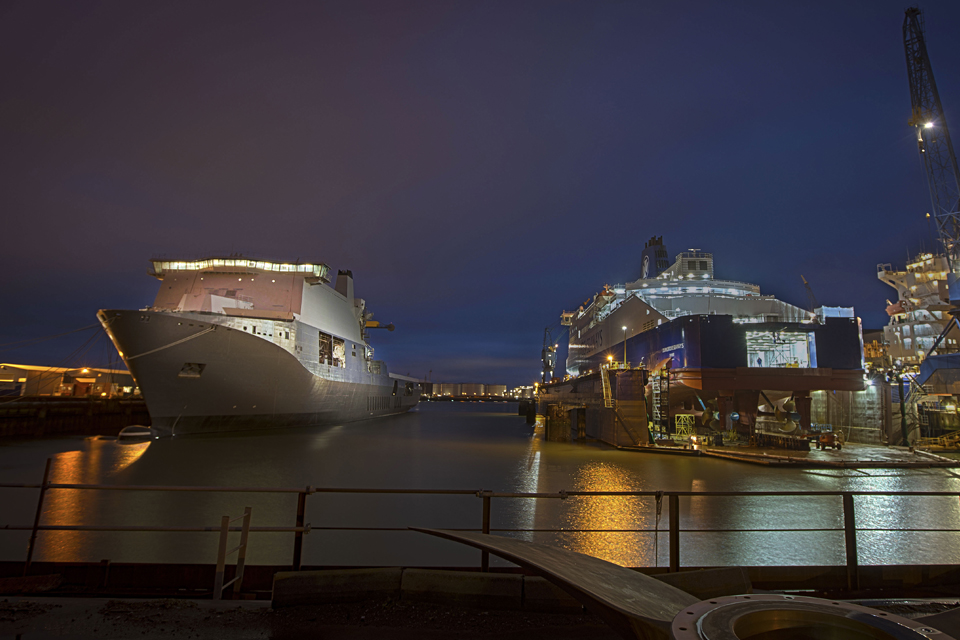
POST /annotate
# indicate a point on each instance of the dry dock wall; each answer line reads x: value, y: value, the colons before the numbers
x: 577, y: 410
x: 864, y: 416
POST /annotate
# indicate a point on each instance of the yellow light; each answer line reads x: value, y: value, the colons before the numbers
x: 103, y: 394
x: 85, y: 370
x: 610, y: 358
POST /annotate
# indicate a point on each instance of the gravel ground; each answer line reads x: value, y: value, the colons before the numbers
x: 38, y: 618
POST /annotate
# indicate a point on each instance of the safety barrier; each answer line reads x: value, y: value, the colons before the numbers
x: 486, y: 498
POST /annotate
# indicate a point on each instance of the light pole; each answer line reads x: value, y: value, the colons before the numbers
x: 624, y: 347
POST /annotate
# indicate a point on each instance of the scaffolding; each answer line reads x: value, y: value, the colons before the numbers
x: 660, y: 383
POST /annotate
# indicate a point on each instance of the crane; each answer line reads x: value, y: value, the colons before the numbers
x: 933, y: 142
x: 936, y: 154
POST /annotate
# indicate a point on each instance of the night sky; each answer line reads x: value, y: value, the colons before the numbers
x: 480, y: 166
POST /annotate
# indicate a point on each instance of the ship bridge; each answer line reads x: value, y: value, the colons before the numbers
x: 239, y: 265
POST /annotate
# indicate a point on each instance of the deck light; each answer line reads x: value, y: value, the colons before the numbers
x: 928, y: 125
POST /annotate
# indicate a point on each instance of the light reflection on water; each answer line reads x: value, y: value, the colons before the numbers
x: 444, y: 446
x: 610, y: 512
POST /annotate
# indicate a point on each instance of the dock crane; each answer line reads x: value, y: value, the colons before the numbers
x: 936, y: 154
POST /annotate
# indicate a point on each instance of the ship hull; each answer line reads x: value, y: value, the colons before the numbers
x: 204, y: 377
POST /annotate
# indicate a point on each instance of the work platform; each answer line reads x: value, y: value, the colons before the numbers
x: 852, y: 456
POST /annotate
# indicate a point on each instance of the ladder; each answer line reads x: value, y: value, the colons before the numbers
x: 607, y: 391
x: 661, y: 401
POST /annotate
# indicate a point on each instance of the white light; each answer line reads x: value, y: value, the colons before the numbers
x: 624, y: 328
x: 928, y: 125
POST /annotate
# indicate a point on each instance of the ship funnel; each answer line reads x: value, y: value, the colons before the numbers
x: 345, y: 284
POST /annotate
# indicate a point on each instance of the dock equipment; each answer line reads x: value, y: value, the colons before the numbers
x: 660, y: 388
x: 933, y: 143
x: 607, y: 390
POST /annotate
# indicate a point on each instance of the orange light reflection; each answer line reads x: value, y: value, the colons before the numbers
x: 98, y: 459
x: 611, y: 512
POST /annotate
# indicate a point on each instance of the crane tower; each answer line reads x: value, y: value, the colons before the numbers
x: 933, y: 141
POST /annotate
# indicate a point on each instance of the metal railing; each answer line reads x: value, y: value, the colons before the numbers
x: 45, y: 486
x: 222, y: 553
x: 673, y: 530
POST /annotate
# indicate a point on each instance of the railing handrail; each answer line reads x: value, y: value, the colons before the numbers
x: 561, y: 494
x: 673, y: 529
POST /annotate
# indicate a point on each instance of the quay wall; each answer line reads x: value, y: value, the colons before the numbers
x: 196, y: 580
x: 54, y: 416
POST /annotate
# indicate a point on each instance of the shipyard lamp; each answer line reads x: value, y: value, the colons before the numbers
x: 928, y: 125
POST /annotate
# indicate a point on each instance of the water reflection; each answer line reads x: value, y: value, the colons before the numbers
x: 610, y: 512
x: 528, y: 481
x: 93, y: 464
x: 447, y: 446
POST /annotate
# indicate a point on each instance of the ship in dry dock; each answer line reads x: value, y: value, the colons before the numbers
x: 234, y: 344
x: 716, y: 349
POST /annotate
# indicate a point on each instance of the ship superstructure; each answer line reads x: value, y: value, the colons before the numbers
x: 234, y: 343
x: 716, y: 339
x: 921, y: 309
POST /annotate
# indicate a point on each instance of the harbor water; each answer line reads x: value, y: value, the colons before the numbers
x: 483, y: 446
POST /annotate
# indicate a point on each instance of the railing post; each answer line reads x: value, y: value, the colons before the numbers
x: 298, y: 535
x: 242, y: 551
x: 221, y: 557
x: 674, y: 532
x: 36, y: 518
x: 485, y: 528
x: 850, y: 540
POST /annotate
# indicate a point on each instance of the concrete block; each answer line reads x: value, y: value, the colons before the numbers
x: 710, y: 583
x: 539, y: 594
x: 292, y: 588
x: 464, y: 588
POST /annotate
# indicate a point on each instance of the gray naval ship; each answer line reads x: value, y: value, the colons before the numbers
x: 234, y: 344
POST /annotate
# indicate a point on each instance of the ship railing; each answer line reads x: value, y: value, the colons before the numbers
x: 674, y: 531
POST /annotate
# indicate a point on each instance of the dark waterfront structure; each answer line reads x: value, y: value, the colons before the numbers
x: 39, y: 380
